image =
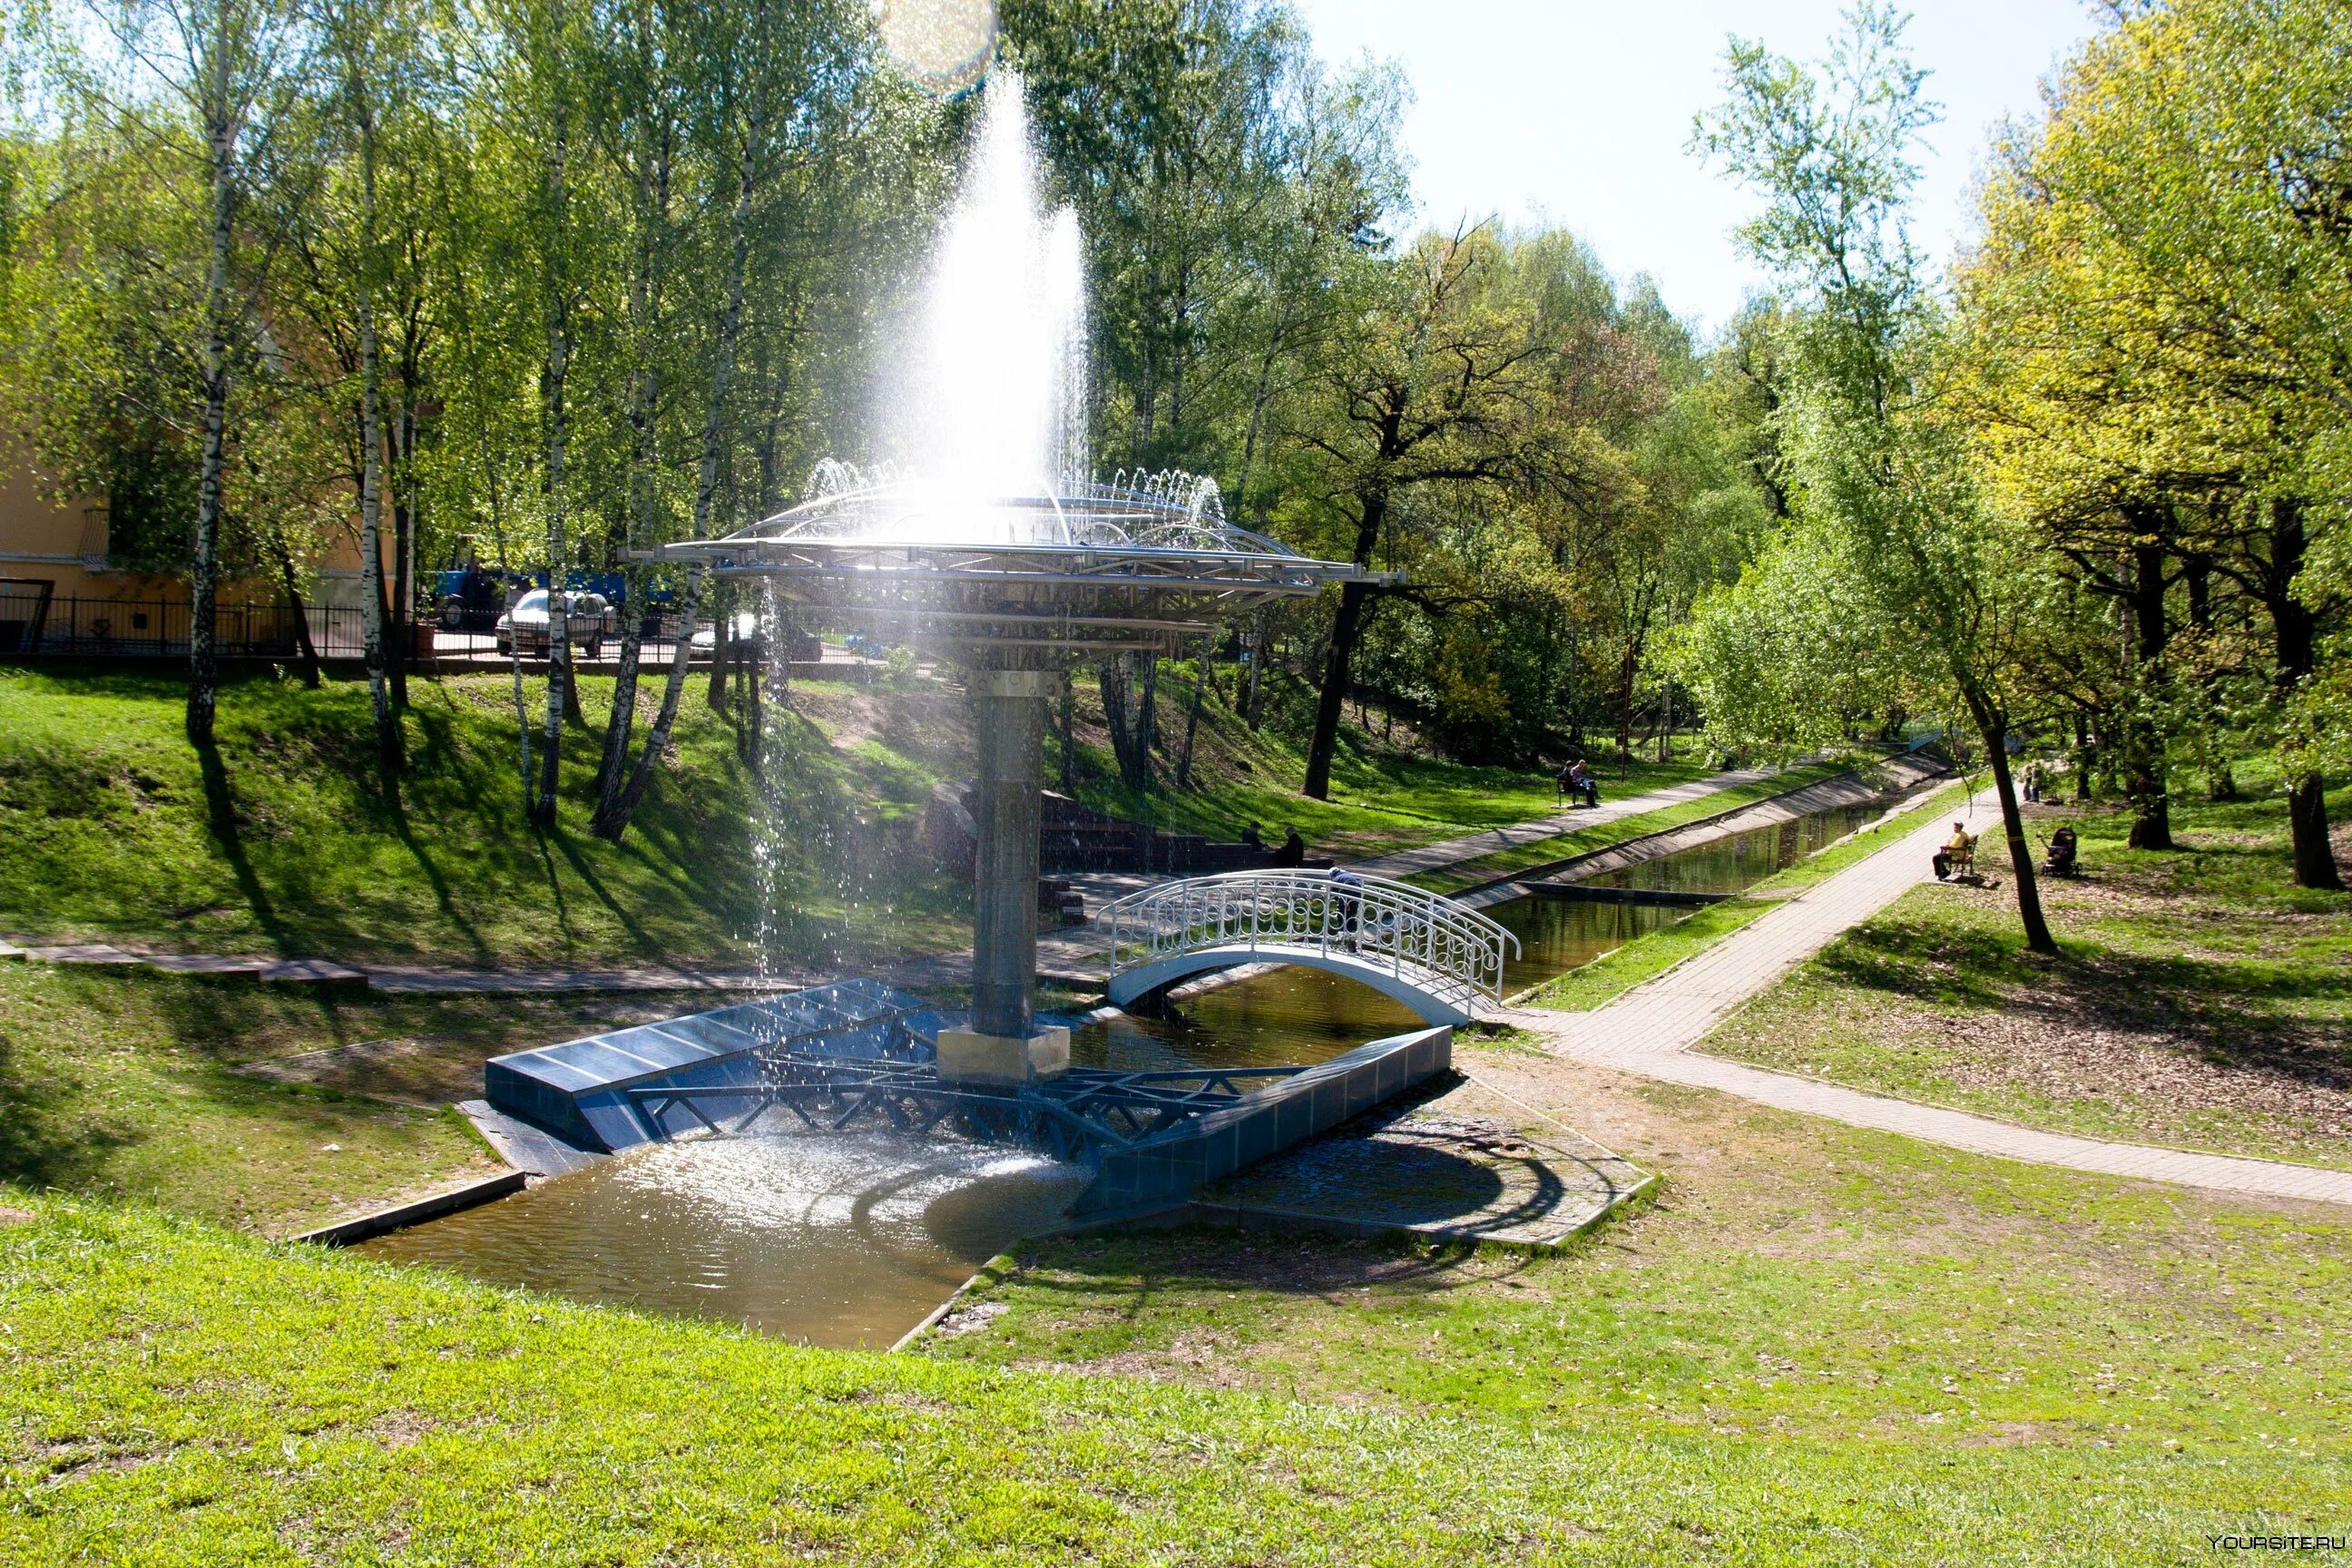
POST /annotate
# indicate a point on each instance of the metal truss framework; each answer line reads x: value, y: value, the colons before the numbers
x: 1012, y: 580
x: 1078, y: 1116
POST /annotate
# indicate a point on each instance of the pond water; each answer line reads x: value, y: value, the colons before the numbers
x: 848, y: 1238
x: 838, y: 1238
x: 1735, y: 864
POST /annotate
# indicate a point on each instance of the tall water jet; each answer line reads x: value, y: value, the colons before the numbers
x: 986, y: 397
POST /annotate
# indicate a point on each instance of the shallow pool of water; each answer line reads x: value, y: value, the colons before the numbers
x: 838, y: 1238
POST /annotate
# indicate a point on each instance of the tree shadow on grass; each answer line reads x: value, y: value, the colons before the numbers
x: 595, y: 884
x: 396, y: 811
x: 2235, y: 1015
x: 44, y: 1141
x: 220, y: 812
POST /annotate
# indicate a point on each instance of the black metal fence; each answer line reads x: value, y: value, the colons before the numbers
x: 37, y: 624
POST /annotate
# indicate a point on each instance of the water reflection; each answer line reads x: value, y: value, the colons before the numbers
x: 1735, y: 864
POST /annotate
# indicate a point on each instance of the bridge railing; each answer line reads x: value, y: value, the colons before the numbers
x: 1438, y: 946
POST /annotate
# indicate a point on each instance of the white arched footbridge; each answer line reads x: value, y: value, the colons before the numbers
x: 1437, y: 957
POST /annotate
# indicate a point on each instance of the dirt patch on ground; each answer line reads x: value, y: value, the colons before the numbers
x: 404, y: 1072
x: 929, y: 724
x: 2075, y: 1048
x: 9, y: 1216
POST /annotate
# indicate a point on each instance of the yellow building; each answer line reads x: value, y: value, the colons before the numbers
x: 56, y: 584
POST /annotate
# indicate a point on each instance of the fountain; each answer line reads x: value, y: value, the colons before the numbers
x: 979, y: 538
x: 977, y: 535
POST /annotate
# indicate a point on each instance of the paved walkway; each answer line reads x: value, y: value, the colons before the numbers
x: 1650, y: 1029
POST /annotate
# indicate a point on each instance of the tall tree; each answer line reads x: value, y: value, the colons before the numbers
x: 1885, y: 490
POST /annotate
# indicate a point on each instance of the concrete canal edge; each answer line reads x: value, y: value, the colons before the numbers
x: 400, y: 1216
x: 1903, y: 779
x: 989, y: 1273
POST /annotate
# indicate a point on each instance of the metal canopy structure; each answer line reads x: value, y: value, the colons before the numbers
x: 1019, y: 581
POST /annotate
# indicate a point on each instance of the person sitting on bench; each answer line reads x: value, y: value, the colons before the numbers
x: 1958, y: 854
x: 1294, y: 849
x: 2062, y: 850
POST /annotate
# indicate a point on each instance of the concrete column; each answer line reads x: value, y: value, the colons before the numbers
x: 1010, y: 711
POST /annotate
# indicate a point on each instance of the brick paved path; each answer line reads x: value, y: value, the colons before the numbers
x: 1650, y: 1029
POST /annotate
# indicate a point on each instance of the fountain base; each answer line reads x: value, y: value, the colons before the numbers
x: 967, y: 1055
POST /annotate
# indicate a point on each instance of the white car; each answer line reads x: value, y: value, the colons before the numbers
x: 588, y: 621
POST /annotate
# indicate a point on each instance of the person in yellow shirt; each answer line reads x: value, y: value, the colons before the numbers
x: 1961, y: 847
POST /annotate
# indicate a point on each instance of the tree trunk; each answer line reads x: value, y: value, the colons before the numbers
x: 1123, y: 715
x: 2082, y: 758
x: 522, y: 719
x: 2221, y: 781
x: 1147, y: 717
x: 723, y: 645
x: 1069, y: 725
x: 2291, y: 623
x: 1258, y: 655
x: 1994, y: 726
x: 403, y: 547
x: 1325, y: 742
x: 1347, y: 627
x: 653, y: 207
x: 559, y: 620
x: 301, y: 616
x: 203, y: 669
x: 2144, y: 766
x: 1627, y: 669
x: 612, y: 825
x: 387, y: 719
x: 1193, y: 720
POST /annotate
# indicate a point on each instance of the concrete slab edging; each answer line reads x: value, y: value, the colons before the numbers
x: 400, y: 1216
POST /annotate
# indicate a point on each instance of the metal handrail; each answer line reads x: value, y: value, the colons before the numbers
x: 1422, y: 938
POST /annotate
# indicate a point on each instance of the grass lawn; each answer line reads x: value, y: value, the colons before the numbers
x: 2110, y: 1369
x: 1591, y: 985
x: 1818, y: 1346
x: 1382, y: 798
x: 2201, y: 1000
x: 279, y: 840
x: 126, y: 1085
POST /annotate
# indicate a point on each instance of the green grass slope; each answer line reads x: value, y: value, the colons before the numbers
x: 180, y: 1395
x: 281, y: 840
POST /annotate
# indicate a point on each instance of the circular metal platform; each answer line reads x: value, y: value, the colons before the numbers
x: 1017, y: 582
